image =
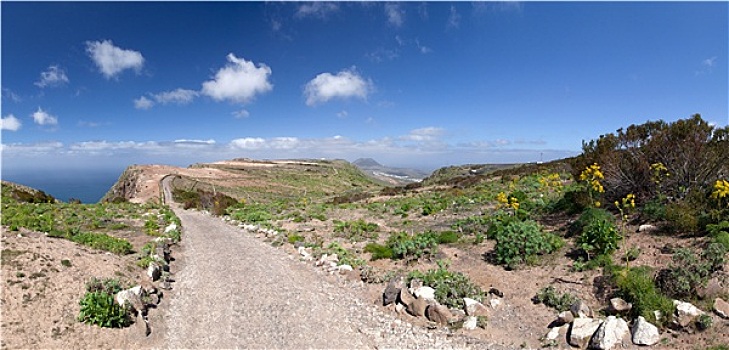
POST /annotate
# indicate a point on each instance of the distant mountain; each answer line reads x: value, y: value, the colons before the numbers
x: 390, y: 175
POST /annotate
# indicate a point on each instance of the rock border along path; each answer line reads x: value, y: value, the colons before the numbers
x: 234, y: 291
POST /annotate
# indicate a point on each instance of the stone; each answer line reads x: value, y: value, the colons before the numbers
x: 647, y: 228
x: 494, y: 303
x: 619, y: 306
x: 438, y: 314
x: 686, y: 313
x: 565, y: 317
x: 474, y: 307
x: 405, y: 297
x: 496, y: 292
x: 415, y: 284
x: 457, y: 315
x: 470, y: 323
x: 644, y: 333
x: 399, y: 308
x: 424, y: 293
x: 713, y: 289
x: 171, y: 227
x: 610, y: 333
x: 345, y: 268
x: 153, y: 271
x: 555, y: 332
x: 392, y: 290
x: 580, y: 309
x: 131, y: 297
x: 417, y: 307
x: 721, y: 307
x: 582, y: 330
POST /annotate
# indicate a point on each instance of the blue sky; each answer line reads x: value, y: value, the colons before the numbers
x: 409, y: 84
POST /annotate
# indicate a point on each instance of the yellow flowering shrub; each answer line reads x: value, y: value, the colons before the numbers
x: 591, y: 176
x: 506, y: 201
x: 721, y: 190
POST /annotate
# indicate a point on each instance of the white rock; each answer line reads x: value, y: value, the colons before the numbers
x: 154, y: 271
x: 344, y: 268
x: 721, y: 307
x: 302, y: 251
x: 470, y: 323
x: 686, y: 313
x: 582, y: 330
x: 171, y: 227
x: 424, y: 293
x: 553, y: 333
x: 647, y: 228
x: 644, y: 333
x: 131, y: 296
x: 610, y: 333
x: 400, y: 308
x: 580, y: 309
x: 474, y: 307
x: 494, y: 303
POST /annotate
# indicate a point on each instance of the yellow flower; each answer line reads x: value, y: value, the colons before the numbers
x: 721, y: 189
x: 597, y: 204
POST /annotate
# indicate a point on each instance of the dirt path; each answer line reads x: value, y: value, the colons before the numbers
x: 234, y: 291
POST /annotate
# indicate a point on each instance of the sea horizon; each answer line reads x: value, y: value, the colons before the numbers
x: 86, y: 185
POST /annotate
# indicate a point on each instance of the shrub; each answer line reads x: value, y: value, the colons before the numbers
x: 588, y: 216
x: 572, y: 202
x: 66, y: 263
x: 405, y: 246
x: 636, y: 286
x: 704, y: 322
x: 688, y: 271
x: 379, y: 251
x: 550, y: 297
x: 723, y: 239
x: 295, y: 238
x: 357, y: 230
x: 344, y: 255
x: 654, y: 210
x: 599, y: 237
x: 521, y: 241
x: 682, y: 217
x: 447, y: 237
x: 450, y: 287
x: 100, y: 309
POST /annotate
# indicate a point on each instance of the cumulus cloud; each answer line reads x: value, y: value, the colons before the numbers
x: 42, y: 117
x: 143, y: 103
x: 12, y: 96
x: 239, y: 81
x: 241, y: 114
x: 54, y: 76
x: 112, y: 60
x: 316, y: 9
x: 345, y: 84
x: 178, y: 96
x: 395, y: 14
x: 10, y: 123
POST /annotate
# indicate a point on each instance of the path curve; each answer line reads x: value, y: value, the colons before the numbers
x: 234, y: 291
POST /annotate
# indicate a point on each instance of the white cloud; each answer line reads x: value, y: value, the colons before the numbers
x: 54, y: 76
x: 709, y: 62
x: 42, y: 117
x: 248, y: 143
x: 395, y: 14
x: 454, y: 19
x: 382, y: 54
x: 423, y: 49
x: 424, y: 134
x: 316, y: 9
x: 707, y: 66
x: 342, y: 114
x: 178, y: 96
x: 143, y: 103
x: 239, y: 81
x: 10, y: 123
x: 112, y: 60
x: 345, y: 84
x: 241, y: 114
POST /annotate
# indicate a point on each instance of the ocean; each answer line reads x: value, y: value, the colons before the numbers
x: 89, y: 186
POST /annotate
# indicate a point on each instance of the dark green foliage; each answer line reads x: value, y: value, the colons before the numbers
x: 654, y: 210
x: 295, y: 238
x: 379, y: 251
x: 412, y: 247
x: 682, y: 217
x: 100, y: 309
x: 599, y: 236
x: 103, y: 242
x: 704, y: 322
x: 550, y: 297
x: 518, y: 242
x: 689, y: 271
x: 66, y: 263
x: 450, y: 287
x: 636, y: 286
x: 252, y: 213
x: 588, y: 216
x: 215, y: 202
x: 447, y: 237
x: 723, y: 239
x: 572, y: 202
x: 106, y: 285
x: 604, y: 260
x: 21, y: 194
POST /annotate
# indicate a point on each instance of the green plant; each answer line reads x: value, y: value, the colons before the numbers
x: 103, y: 242
x: 599, y: 237
x: 100, y: 309
x: 378, y: 251
x: 550, y: 297
x: 450, y: 287
x: 405, y: 246
x: 357, y: 230
x: 682, y: 217
x: 704, y: 322
x: 295, y: 238
x: 522, y: 241
x: 636, y: 286
x: 344, y: 255
x: 689, y: 271
x: 106, y: 285
x: 66, y: 263
x: 447, y: 237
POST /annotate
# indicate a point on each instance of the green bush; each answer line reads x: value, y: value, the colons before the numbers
x: 654, y: 210
x: 688, y: 271
x: 636, y: 286
x: 357, y: 230
x: 550, y: 297
x: 344, y: 255
x: 572, y: 202
x: 379, y: 251
x: 448, y: 237
x: 521, y: 241
x: 295, y: 238
x: 682, y: 217
x: 412, y: 247
x: 100, y: 309
x: 450, y: 287
x: 599, y: 235
x: 723, y: 239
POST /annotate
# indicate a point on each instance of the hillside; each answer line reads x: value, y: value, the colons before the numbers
x: 389, y: 175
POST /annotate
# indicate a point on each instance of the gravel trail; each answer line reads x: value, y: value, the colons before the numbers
x: 234, y: 291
